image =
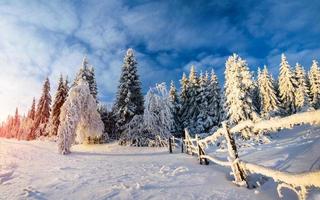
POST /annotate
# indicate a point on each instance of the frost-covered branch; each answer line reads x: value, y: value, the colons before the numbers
x: 311, y: 117
x: 212, y: 138
x: 217, y: 161
x: 306, y: 179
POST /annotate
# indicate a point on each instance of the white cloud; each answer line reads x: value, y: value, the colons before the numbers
x: 41, y: 38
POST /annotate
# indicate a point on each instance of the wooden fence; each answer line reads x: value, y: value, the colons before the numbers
x: 298, y: 182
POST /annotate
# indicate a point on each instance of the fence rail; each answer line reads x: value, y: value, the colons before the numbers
x: 298, y: 182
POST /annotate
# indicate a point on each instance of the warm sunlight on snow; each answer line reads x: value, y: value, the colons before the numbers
x: 133, y: 100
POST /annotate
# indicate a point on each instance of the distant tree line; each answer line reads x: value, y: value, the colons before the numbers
x: 200, y: 105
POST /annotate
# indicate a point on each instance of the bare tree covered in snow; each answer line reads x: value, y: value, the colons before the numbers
x: 153, y: 127
x: 157, y: 115
x: 79, y: 118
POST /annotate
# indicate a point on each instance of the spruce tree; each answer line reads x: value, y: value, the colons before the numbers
x: 59, y: 100
x: 17, y: 121
x: 268, y: 96
x: 66, y: 85
x: 314, y: 78
x: 129, y: 100
x: 184, y: 98
x: 43, y: 111
x: 255, y: 95
x: 194, y: 98
x: 32, y: 111
x: 302, y: 91
x: 87, y: 73
x: 175, y: 127
x: 214, y: 100
x: 287, y: 86
x: 238, y: 91
x: 16, y: 117
x: 203, y: 119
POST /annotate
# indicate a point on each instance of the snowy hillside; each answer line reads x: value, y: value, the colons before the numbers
x: 34, y: 170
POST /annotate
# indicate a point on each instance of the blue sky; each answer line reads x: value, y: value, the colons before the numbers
x: 46, y: 38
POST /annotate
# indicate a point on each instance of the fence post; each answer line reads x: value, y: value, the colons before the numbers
x: 201, y: 152
x: 181, y: 145
x: 196, y: 138
x: 186, y: 141
x: 238, y: 173
x: 170, y: 145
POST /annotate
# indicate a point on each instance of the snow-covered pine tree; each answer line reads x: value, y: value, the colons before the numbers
x: 32, y: 111
x: 314, y: 78
x: 268, y: 95
x: 93, y: 84
x: 214, y: 101
x: 17, y: 122
x: 255, y: 95
x: 238, y: 91
x: 302, y: 91
x: 129, y: 100
x: 87, y: 73
x: 210, y: 111
x: 43, y: 111
x: 175, y: 127
x: 193, y: 107
x: 287, y: 86
x: 79, y: 118
x: 184, y: 98
x: 66, y: 85
x: 203, y: 119
x: 59, y: 100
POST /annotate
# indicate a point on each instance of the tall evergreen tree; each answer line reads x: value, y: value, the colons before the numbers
x: 129, y: 100
x: 215, y: 100
x: 87, y: 73
x: 287, y: 86
x: 193, y: 107
x: 238, y: 90
x: 66, y: 85
x: 314, y: 78
x: 59, y: 100
x: 43, y: 111
x: 268, y: 96
x: 255, y: 95
x: 32, y: 111
x: 184, y: 98
x: 16, y: 118
x: 302, y: 91
x: 175, y: 128
x: 16, y: 125
x: 202, y: 117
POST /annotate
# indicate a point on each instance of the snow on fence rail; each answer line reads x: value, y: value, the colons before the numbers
x: 298, y: 182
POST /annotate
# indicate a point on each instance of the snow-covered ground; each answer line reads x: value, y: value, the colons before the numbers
x: 34, y: 170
